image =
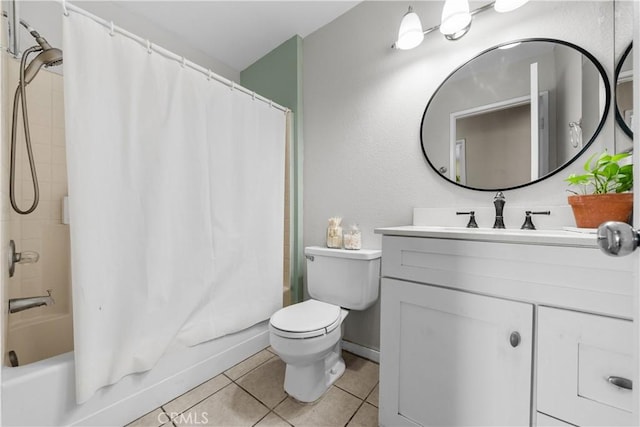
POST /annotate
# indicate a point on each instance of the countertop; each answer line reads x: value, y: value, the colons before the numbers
x: 556, y: 237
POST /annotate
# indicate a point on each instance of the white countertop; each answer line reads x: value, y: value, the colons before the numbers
x: 535, y: 237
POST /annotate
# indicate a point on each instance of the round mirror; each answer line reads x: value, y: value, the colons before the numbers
x: 624, y: 91
x: 515, y: 114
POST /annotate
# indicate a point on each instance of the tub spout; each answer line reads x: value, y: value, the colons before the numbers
x: 19, y: 304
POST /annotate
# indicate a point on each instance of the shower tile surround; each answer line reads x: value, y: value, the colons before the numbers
x: 251, y: 393
x: 42, y: 230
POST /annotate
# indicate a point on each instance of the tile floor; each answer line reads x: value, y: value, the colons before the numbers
x: 251, y: 394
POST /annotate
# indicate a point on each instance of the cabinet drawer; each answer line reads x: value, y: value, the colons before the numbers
x: 580, y: 358
x: 576, y: 278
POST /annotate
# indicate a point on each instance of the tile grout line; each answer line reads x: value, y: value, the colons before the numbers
x: 260, y: 400
x: 195, y: 404
x: 371, y: 392
x: 271, y: 412
x: 347, y: 391
x: 252, y: 369
x: 362, y: 402
x: 257, y: 398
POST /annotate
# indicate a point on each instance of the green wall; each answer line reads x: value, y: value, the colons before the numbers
x: 278, y: 76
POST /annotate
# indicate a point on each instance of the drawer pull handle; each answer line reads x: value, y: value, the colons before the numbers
x: 621, y: 382
x: 514, y: 339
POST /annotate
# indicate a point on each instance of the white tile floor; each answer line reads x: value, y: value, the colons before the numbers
x: 251, y: 394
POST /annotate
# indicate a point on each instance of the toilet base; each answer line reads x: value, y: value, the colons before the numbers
x: 308, y: 383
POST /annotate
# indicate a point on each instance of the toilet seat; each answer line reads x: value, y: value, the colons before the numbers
x: 307, y: 319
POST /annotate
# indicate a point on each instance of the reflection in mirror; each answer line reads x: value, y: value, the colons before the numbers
x: 624, y: 91
x: 515, y: 114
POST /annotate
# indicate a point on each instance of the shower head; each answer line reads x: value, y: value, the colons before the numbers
x: 49, y: 56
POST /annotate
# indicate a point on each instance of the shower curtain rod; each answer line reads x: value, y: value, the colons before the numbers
x: 66, y: 7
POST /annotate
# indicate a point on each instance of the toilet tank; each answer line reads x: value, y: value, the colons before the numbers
x: 347, y: 278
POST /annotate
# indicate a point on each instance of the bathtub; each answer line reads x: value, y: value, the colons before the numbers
x: 43, y: 393
x: 41, y: 337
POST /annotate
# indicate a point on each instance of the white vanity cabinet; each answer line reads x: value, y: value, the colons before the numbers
x: 487, y: 332
x: 453, y: 358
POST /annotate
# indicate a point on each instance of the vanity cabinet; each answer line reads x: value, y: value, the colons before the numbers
x: 513, y: 332
x: 455, y: 358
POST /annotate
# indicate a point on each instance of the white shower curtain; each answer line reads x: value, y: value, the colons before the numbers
x: 176, y: 189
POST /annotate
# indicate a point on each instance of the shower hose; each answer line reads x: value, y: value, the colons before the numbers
x: 20, y: 95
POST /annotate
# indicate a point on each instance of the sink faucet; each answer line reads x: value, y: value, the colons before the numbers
x: 498, y: 202
x: 20, y: 304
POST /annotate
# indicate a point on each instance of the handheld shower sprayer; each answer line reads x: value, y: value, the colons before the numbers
x: 47, y: 56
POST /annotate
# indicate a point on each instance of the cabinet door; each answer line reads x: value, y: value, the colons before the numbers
x: 581, y: 358
x: 447, y: 357
x: 547, y: 421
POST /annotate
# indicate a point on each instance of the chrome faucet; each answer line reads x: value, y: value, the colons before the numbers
x: 498, y: 202
x: 20, y: 304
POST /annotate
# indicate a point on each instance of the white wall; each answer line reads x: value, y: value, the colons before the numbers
x: 46, y: 17
x: 364, y: 102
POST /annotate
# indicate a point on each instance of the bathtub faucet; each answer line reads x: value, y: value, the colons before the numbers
x: 20, y: 304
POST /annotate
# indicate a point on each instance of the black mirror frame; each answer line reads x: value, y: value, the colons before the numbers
x: 619, y: 119
x: 607, y: 106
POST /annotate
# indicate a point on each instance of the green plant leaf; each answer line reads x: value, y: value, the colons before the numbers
x: 604, y: 174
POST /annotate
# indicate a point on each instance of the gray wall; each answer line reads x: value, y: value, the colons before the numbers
x: 363, y: 105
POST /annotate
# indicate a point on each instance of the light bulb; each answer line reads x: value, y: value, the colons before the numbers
x: 410, y: 34
x: 455, y: 16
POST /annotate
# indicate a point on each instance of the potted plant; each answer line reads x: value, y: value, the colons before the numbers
x: 604, y: 190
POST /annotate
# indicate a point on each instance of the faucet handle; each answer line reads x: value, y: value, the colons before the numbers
x: 528, y: 222
x: 472, y: 218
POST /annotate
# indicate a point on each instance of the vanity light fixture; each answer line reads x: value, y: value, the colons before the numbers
x: 410, y: 34
x: 455, y: 23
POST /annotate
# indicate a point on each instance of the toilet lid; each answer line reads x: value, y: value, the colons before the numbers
x: 308, y: 318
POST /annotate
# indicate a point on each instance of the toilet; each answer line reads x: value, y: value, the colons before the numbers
x: 307, y: 335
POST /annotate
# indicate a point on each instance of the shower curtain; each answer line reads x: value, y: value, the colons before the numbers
x: 176, y: 187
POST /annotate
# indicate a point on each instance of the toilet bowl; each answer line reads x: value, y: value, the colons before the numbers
x: 307, y: 336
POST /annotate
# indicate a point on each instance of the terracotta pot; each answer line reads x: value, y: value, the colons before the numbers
x: 593, y: 209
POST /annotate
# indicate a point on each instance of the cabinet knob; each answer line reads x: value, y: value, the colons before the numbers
x: 621, y: 382
x: 514, y: 339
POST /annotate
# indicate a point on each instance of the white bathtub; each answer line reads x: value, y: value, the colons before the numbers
x: 41, y: 337
x: 43, y: 393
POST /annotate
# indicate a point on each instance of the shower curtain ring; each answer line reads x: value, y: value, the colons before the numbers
x: 149, y: 47
x: 184, y: 62
x: 233, y: 86
x: 112, y: 31
x: 253, y: 95
x: 209, y: 74
x: 65, y: 11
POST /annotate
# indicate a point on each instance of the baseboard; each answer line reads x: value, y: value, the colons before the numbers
x: 367, y: 353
